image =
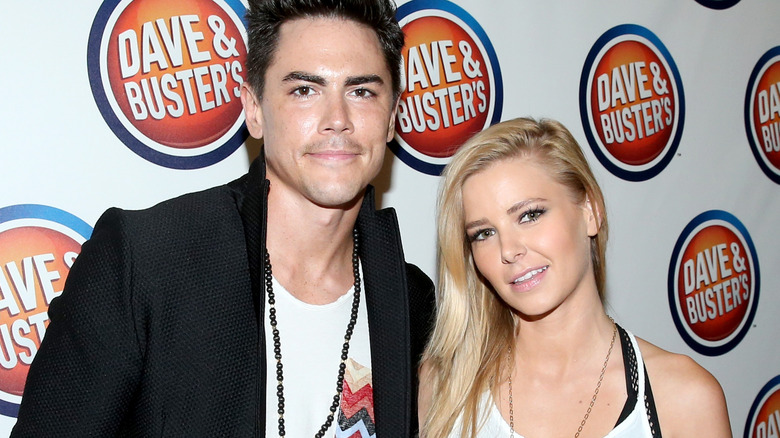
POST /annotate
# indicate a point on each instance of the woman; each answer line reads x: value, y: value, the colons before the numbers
x: 522, y: 345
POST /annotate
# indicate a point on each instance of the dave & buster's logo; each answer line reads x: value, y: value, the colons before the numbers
x: 452, y: 85
x: 762, y: 113
x: 166, y: 77
x: 764, y: 417
x: 38, y: 245
x: 631, y: 102
x: 713, y: 283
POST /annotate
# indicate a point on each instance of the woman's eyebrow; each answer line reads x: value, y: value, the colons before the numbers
x: 522, y: 204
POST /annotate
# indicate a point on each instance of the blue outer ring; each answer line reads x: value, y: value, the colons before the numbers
x: 35, y: 211
x: 452, y: 8
x: 156, y: 157
x: 755, y: 148
x: 698, y: 220
x: 717, y: 4
x: 754, y: 407
x: 611, y: 34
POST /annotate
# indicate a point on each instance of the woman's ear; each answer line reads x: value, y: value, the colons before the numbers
x: 592, y: 217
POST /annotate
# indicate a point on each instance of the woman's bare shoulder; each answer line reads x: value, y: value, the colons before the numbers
x: 688, y: 398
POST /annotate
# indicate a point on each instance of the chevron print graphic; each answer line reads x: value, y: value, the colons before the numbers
x: 356, y: 416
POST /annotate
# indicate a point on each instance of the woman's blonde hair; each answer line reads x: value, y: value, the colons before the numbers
x: 474, y: 327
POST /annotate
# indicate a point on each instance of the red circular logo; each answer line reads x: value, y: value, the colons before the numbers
x: 166, y: 77
x: 716, y: 283
x: 452, y: 86
x: 38, y: 245
x: 175, y: 70
x: 768, y: 417
x: 632, y: 102
x: 447, y: 89
x: 766, y: 114
x: 764, y: 417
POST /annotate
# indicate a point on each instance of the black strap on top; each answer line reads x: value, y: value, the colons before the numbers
x: 632, y: 386
x: 652, y: 415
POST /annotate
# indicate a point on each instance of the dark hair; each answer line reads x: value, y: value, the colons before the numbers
x: 265, y: 17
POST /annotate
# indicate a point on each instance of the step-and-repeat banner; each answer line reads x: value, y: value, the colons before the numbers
x: 676, y: 103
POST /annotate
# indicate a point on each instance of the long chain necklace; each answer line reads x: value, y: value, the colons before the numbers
x: 592, y: 400
x: 344, y: 350
x: 511, y: 407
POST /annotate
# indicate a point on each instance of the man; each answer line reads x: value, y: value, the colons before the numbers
x: 261, y: 307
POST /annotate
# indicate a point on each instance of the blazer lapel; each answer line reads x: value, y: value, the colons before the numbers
x: 384, y: 275
x: 253, y: 208
x: 253, y: 211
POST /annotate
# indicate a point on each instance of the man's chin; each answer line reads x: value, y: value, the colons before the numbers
x: 342, y: 198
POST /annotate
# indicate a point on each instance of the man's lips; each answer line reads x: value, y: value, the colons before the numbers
x: 334, y: 155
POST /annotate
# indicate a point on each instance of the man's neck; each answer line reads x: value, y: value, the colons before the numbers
x: 310, y: 247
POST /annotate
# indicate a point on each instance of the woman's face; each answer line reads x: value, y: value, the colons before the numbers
x: 529, y: 238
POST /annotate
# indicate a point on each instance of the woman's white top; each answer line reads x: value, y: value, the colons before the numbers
x: 638, y: 420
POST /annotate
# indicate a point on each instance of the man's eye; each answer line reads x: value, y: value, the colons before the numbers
x: 363, y: 92
x: 303, y: 91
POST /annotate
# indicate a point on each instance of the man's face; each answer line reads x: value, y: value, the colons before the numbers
x: 326, y: 113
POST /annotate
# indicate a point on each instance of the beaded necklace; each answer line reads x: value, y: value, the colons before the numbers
x: 344, y: 351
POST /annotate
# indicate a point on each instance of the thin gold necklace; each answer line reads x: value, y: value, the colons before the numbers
x: 511, y: 407
x: 592, y: 400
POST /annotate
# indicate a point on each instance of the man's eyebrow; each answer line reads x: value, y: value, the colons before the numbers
x: 319, y: 80
x: 305, y: 77
x: 364, y: 79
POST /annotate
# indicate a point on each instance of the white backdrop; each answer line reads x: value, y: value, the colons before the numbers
x: 61, y: 159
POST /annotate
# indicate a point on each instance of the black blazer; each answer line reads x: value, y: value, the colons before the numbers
x: 159, y: 329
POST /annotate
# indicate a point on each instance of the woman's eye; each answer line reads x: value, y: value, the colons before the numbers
x: 531, y: 215
x: 482, y: 235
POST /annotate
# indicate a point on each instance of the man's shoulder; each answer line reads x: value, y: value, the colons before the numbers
x: 195, y: 207
x: 212, y: 213
x: 205, y: 199
x: 417, y: 278
x: 217, y: 200
x: 222, y: 199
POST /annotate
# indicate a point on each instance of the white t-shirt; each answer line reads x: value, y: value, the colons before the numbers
x: 311, y: 338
